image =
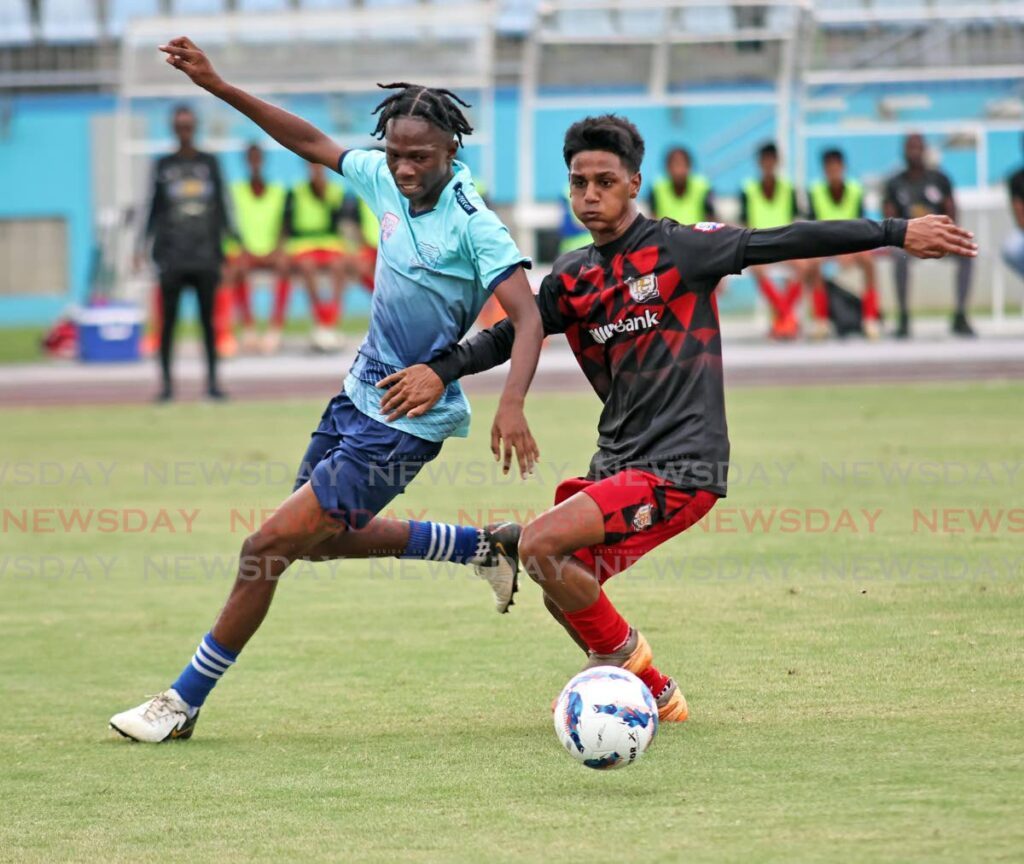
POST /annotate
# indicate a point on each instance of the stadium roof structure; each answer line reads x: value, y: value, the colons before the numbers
x: 338, y: 55
x: 660, y: 53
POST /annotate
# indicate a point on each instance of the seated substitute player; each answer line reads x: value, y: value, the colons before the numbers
x: 770, y: 202
x: 1013, y: 245
x: 312, y: 214
x: 916, y: 191
x: 259, y: 213
x: 682, y: 195
x: 356, y: 213
x: 442, y: 253
x: 836, y: 197
x: 638, y: 311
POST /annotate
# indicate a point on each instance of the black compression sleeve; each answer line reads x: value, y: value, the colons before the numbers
x: 485, y: 350
x: 822, y: 239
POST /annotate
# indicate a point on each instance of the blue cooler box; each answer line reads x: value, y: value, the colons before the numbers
x: 108, y: 334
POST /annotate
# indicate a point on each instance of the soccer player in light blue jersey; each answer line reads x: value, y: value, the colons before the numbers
x: 442, y: 253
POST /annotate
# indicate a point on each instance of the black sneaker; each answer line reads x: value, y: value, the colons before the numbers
x: 216, y: 394
x: 165, y: 395
x: 903, y: 328
x: 961, y: 326
x: 500, y: 568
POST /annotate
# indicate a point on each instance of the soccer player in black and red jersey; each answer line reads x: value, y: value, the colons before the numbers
x: 638, y: 309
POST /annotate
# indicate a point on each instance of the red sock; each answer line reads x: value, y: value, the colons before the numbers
x: 770, y: 294
x: 819, y: 301
x: 601, y: 626
x: 319, y: 313
x: 793, y: 292
x: 870, y: 302
x: 281, y: 293
x: 329, y: 313
x: 656, y: 682
x: 242, y: 302
x: 223, y: 302
x: 158, y: 313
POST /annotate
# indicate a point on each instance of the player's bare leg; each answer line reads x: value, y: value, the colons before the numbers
x: 865, y: 262
x: 814, y: 284
x: 546, y: 549
x: 278, y: 262
x: 559, y: 616
x: 297, y: 526
x: 338, y: 271
x: 781, y: 303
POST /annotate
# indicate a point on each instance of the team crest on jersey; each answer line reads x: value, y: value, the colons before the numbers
x: 429, y: 254
x: 643, y: 518
x: 388, y: 224
x: 643, y: 289
x: 708, y: 227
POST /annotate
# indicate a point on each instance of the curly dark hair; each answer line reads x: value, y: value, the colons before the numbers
x: 607, y: 132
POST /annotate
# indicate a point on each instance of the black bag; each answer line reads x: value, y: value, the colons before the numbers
x: 845, y: 310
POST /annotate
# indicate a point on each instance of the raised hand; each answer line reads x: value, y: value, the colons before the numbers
x: 183, y: 54
x: 937, y: 236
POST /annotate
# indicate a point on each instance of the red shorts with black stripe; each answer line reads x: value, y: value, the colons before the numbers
x: 641, y: 511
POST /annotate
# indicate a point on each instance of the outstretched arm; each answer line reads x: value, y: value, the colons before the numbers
x: 289, y: 131
x: 927, y: 237
x: 420, y: 386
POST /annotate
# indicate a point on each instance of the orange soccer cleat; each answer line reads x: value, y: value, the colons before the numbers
x: 672, y: 707
x: 634, y: 656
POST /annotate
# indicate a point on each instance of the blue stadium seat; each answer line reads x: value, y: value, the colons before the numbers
x: 650, y: 23
x: 908, y: 6
x: 781, y: 18
x: 325, y: 4
x: 122, y: 11
x: 581, y: 22
x: 261, y: 5
x: 198, y: 7
x: 708, y: 20
x: 841, y: 5
x: 516, y: 16
x: 69, y: 20
x: 15, y: 24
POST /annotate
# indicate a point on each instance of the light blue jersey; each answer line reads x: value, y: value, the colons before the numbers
x: 434, y: 272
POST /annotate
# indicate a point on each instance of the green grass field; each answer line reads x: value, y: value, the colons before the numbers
x: 856, y: 695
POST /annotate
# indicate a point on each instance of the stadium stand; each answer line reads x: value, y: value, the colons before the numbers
x: 69, y: 20
x: 15, y: 23
x: 122, y: 11
x: 862, y: 71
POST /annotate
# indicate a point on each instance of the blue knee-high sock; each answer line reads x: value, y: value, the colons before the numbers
x: 436, y: 541
x: 203, y: 671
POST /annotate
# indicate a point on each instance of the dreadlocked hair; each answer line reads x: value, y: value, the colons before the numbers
x: 437, y: 106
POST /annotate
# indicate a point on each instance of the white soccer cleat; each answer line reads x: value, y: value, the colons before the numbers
x: 165, y: 717
x: 501, y: 569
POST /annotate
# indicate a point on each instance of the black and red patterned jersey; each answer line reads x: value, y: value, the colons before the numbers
x: 640, y: 316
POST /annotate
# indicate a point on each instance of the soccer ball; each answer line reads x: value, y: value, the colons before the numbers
x: 606, y: 717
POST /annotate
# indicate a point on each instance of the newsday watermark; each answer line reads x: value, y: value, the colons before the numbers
x: 721, y: 520
x: 270, y: 474
x: 723, y: 569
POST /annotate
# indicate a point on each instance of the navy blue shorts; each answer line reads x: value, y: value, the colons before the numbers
x: 357, y: 465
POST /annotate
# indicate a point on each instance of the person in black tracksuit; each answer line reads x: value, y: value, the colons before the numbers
x: 917, y: 191
x: 187, y: 223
